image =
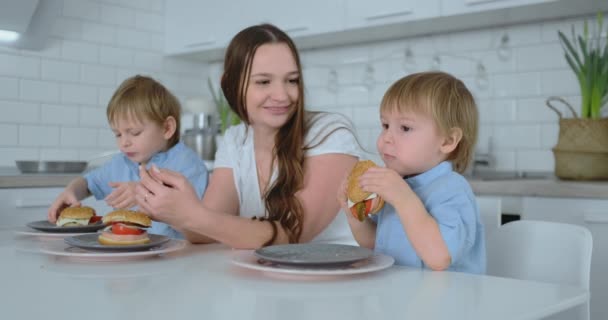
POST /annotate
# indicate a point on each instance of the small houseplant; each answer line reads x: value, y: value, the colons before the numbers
x: 227, y: 117
x: 581, y: 152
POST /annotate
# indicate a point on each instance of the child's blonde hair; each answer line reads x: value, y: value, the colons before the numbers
x: 447, y: 100
x: 141, y: 97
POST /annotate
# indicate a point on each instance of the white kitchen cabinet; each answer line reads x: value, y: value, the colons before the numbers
x: 592, y: 214
x: 22, y: 205
x: 454, y: 7
x: 361, y: 14
x: 193, y: 25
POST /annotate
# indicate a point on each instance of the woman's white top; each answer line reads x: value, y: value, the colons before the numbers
x: 237, y: 153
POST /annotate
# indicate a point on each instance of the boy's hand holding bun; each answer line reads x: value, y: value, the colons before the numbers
x: 361, y: 203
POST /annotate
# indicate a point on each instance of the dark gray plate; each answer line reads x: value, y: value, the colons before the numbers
x: 313, y: 254
x: 44, y: 225
x: 89, y: 242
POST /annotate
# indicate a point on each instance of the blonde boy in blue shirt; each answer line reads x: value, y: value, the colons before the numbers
x: 430, y: 220
x: 145, y: 118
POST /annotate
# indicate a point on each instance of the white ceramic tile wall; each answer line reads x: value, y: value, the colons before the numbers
x: 53, y: 100
x: 516, y: 126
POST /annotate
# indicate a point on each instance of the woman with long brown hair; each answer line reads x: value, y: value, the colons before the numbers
x: 276, y: 173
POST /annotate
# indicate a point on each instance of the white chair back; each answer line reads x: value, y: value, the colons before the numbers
x: 543, y: 251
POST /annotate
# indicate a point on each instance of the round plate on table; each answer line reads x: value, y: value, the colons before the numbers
x: 89, y: 242
x: 44, y: 225
x: 312, y: 254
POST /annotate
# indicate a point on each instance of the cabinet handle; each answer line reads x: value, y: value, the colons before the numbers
x: 596, y: 217
x: 474, y: 2
x: 199, y: 44
x: 389, y: 15
x: 32, y: 203
x: 295, y: 29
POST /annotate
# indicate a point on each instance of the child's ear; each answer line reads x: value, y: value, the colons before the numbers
x: 451, y: 140
x: 169, y: 127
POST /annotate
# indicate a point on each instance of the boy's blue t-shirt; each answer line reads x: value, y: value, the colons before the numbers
x: 120, y: 169
x: 448, y: 197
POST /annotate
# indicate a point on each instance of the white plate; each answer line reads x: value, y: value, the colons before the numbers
x: 247, y: 259
x: 60, y: 248
x: 24, y: 231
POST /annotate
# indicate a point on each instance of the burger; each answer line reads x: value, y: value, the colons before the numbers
x: 76, y: 216
x: 362, y: 203
x: 125, y: 227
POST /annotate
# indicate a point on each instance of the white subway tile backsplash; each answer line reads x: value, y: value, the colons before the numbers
x: 78, y: 137
x: 59, y: 114
x: 53, y: 70
x: 8, y: 155
x: 559, y: 82
x: 548, y: 135
x: 105, y: 94
x: 99, y: 33
x: 535, y: 160
x: 80, y: 51
x: 353, y: 96
x: 67, y: 28
x: 519, y: 35
x: 56, y: 154
x: 497, y: 111
x: 540, y: 57
x: 96, y: 74
x: 81, y: 9
x: 367, y: 117
x: 79, y: 94
x: 9, y: 88
x: 505, y: 160
x: 320, y: 98
x: 38, y: 135
x: 149, y: 21
x: 516, y: 136
x: 18, y: 66
x: 114, y: 56
x: 135, y: 39
x: 8, y: 134
x: 117, y: 15
x: 93, y: 117
x: 523, y: 84
x: 151, y: 60
x: 19, y: 112
x: 106, y: 138
x: 43, y: 91
x: 534, y: 110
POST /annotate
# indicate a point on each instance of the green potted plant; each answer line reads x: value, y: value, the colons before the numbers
x: 227, y: 117
x: 581, y: 152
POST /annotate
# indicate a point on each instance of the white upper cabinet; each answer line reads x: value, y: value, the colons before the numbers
x: 203, y: 28
x: 300, y: 18
x: 371, y: 13
x: 194, y: 25
x: 453, y: 7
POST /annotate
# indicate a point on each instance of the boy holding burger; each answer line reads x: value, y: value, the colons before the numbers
x: 431, y: 219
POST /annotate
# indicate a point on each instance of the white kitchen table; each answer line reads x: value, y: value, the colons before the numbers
x: 200, y: 282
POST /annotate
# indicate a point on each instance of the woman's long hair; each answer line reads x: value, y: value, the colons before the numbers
x: 281, y: 204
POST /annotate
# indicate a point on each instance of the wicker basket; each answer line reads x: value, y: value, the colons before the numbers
x: 581, y: 152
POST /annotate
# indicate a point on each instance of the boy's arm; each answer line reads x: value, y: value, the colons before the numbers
x: 363, y: 231
x: 423, y: 232
x: 76, y: 190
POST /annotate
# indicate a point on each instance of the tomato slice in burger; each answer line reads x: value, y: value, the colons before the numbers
x: 121, y: 228
x: 361, y: 210
x: 95, y: 219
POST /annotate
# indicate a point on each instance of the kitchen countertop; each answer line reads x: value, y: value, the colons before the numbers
x: 550, y: 187
x: 10, y: 177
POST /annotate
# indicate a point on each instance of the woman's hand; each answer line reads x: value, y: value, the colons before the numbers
x: 387, y: 183
x: 123, y: 195
x: 166, y: 196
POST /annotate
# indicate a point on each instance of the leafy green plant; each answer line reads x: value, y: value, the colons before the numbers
x: 227, y: 116
x: 588, y: 58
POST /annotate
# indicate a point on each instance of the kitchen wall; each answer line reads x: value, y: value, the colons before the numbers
x: 53, y: 101
x: 511, y: 71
